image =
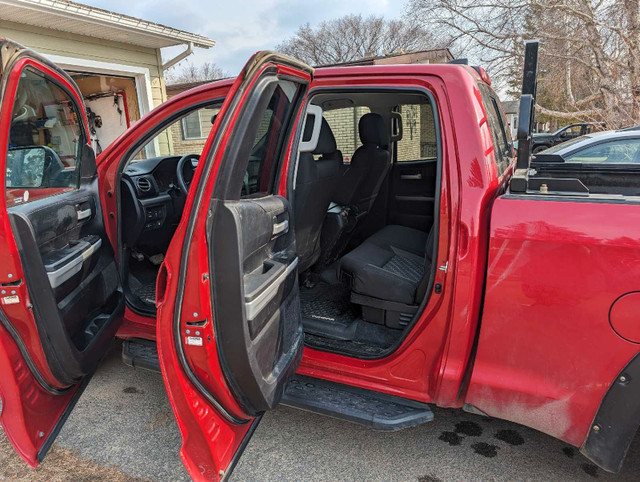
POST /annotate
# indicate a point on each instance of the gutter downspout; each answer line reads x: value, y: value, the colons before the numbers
x: 181, y: 56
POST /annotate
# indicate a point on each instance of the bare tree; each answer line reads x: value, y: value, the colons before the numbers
x: 188, y: 72
x: 354, y: 37
x: 590, y: 49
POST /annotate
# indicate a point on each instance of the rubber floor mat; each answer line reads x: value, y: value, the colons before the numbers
x: 147, y: 293
x: 328, y: 302
x: 343, y: 346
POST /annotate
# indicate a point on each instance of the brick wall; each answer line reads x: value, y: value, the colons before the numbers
x: 344, y: 124
x: 428, y: 142
x: 419, y: 133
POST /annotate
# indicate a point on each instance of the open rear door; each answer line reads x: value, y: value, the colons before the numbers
x: 60, y: 297
x: 229, y: 331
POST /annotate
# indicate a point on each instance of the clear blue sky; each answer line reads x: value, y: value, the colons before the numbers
x: 241, y: 27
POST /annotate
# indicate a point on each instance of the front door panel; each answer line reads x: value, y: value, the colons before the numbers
x: 229, y: 329
x: 59, y: 289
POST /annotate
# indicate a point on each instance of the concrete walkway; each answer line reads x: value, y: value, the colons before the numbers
x: 123, y: 428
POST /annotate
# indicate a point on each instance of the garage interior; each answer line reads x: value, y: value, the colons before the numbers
x: 112, y: 105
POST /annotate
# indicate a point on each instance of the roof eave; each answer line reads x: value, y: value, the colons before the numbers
x: 105, y: 18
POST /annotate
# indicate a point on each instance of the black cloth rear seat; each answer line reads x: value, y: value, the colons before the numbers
x: 393, y: 266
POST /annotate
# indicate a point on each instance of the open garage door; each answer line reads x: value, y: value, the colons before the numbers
x: 112, y: 106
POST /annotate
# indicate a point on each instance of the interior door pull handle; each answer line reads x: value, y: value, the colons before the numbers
x: 83, y: 214
x: 411, y: 177
x: 280, y: 228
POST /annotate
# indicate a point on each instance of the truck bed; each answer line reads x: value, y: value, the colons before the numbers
x: 605, y: 180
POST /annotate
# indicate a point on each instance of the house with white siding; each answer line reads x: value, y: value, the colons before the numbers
x: 115, y: 59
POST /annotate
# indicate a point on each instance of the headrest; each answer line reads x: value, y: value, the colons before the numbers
x: 372, y: 130
x: 326, y: 141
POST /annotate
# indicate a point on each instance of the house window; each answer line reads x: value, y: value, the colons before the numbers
x: 192, y: 126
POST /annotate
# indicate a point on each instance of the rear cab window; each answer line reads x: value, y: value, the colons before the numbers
x: 500, y: 134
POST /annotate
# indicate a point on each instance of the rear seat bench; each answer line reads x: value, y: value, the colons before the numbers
x: 388, y: 274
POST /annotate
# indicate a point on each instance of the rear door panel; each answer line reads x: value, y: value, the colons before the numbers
x: 262, y: 269
x: 59, y: 289
x: 229, y: 333
x: 412, y: 193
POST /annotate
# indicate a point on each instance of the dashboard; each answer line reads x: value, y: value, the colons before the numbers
x: 152, y: 203
x: 152, y: 176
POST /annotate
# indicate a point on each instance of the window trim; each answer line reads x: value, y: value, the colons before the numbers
x: 284, y: 134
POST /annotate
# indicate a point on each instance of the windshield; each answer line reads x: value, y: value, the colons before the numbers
x: 555, y: 133
x: 564, y: 145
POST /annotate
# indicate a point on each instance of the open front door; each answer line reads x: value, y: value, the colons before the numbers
x: 60, y: 297
x: 229, y: 331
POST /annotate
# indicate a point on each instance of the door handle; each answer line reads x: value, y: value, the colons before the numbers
x: 83, y: 214
x: 280, y: 228
x: 411, y: 177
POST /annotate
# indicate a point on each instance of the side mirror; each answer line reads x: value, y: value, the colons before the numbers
x: 25, y: 166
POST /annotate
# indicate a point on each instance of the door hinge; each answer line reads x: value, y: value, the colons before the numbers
x: 444, y: 267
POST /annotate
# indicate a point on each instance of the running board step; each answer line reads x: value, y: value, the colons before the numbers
x: 139, y: 353
x: 364, y: 407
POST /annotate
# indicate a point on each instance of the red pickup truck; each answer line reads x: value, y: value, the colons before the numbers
x: 360, y: 242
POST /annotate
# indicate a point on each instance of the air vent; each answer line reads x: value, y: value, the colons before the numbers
x: 144, y: 184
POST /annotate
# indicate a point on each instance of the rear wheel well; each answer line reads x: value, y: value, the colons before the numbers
x: 617, y: 420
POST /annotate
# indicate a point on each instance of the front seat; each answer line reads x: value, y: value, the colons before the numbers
x: 316, y: 182
x: 369, y: 164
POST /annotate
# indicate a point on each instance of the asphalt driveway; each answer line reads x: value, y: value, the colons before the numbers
x: 123, y: 429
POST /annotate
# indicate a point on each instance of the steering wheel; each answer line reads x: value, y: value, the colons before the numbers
x: 184, y: 178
